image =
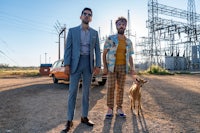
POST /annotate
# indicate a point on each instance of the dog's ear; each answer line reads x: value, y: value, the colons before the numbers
x: 145, y: 81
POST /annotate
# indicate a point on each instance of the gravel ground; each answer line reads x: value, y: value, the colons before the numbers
x: 170, y: 104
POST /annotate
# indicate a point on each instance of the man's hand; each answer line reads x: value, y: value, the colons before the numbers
x: 133, y: 75
x: 96, y: 70
x: 105, y: 70
x: 132, y: 72
x: 67, y: 70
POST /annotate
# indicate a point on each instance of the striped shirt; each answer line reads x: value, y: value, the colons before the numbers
x: 85, y: 41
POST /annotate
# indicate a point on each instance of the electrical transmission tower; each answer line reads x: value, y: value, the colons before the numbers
x: 163, y: 30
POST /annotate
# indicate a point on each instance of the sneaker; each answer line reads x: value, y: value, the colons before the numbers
x: 109, y: 114
x: 121, y: 113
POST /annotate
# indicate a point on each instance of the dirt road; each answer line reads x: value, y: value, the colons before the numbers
x: 36, y: 105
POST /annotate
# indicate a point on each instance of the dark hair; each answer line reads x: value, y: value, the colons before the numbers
x: 123, y: 19
x: 86, y: 8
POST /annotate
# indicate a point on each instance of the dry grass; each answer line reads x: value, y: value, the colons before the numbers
x: 26, y: 72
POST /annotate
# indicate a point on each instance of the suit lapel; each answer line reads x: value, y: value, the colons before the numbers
x: 79, y: 38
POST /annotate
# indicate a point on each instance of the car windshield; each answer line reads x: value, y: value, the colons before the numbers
x: 54, y: 64
x: 59, y: 63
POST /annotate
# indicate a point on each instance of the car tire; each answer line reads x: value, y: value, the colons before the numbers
x: 55, y: 80
x: 103, y: 82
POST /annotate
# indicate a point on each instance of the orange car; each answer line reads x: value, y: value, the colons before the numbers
x: 57, y: 73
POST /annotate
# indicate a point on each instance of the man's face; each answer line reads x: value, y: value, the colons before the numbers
x: 86, y: 17
x: 121, y: 26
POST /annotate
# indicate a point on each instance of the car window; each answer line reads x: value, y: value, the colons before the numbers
x: 59, y: 63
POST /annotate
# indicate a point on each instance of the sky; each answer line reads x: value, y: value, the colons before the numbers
x: 28, y: 35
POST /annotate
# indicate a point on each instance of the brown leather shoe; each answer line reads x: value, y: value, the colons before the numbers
x: 87, y: 121
x: 68, y: 127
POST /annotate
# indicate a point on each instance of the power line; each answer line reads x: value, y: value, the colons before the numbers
x: 1, y: 52
x: 23, y: 23
x: 6, y: 44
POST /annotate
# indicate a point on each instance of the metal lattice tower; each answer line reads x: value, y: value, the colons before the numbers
x: 191, y: 13
x: 191, y: 19
x: 152, y: 16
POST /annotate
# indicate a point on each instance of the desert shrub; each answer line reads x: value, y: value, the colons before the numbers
x: 155, y: 69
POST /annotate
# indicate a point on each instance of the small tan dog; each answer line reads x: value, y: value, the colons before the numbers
x: 135, y: 93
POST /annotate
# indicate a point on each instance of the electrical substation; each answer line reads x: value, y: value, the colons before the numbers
x: 173, y: 40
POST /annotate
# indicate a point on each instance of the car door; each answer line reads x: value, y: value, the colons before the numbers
x: 60, y: 70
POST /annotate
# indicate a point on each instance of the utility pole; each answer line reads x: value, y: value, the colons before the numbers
x: 45, y: 58
x: 40, y: 59
x: 60, y: 30
x: 129, y: 33
x: 111, y: 28
x: 64, y: 36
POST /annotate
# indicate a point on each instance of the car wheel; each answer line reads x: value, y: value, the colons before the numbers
x: 103, y: 82
x: 55, y: 80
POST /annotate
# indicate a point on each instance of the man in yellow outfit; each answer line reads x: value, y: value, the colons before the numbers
x: 117, y: 57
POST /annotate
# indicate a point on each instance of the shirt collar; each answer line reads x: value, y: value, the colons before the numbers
x: 82, y: 27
